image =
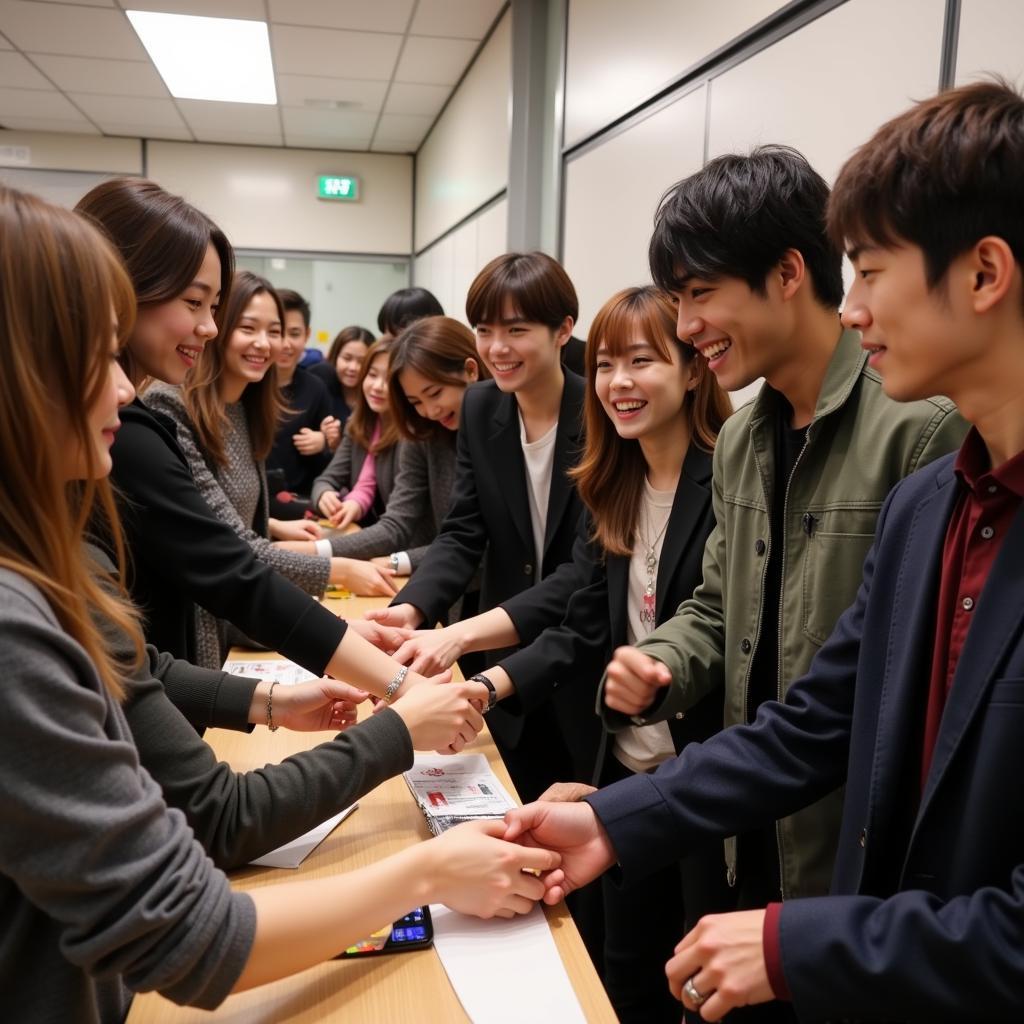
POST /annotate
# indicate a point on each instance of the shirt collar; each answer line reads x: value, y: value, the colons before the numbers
x: 974, y: 468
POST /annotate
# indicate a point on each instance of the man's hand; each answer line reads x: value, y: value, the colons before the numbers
x: 310, y: 707
x: 404, y: 616
x: 572, y: 830
x: 724, y: 957
x: 633, y: 680
x: 309, y: 442
x: 442, y: 718
x: 566, y: 792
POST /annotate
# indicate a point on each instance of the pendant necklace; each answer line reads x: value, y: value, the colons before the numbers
x: 651, y: 565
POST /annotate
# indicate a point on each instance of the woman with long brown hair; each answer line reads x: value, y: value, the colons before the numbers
x: 226, y: 413
x: 145, y: 908
x: 652, y: 414
x: 339, y: 373
x: 182, y: 555
x: 432, y: 362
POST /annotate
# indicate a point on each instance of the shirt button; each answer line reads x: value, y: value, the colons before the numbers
x: 745, y: 645
x: 759, y: 546
x: 968, y: 603
x: 862, y: 839
x: 679, y: 715
x: 987, y: 532
x: 527, y: 569
x: 992, y: 488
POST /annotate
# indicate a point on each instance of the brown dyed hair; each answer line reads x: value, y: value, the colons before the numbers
x: 361, y: 423
x: 344, y: 336
x: 59, y: 281
x: 261, y: 400
x: 536, y: 287
x: 940, y: 176
x: 438, y: 348
x: 610, y: 476
x: 161, y: 238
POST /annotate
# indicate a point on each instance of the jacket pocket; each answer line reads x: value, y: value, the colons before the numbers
x: 1008, y: 691
x: 837, y: 544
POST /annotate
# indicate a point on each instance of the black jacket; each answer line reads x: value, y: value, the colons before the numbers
x: 309, y: 403
x: 181, y: 554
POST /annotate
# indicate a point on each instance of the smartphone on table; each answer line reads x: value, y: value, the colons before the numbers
x: 414, y: 931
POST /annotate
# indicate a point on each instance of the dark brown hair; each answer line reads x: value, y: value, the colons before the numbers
x: 261, y: 400
x: 59, y: 281
x: 361, y: 423
x: 161, y: 238
x: 610, y: 476
x: 344, y: 336
x: 535, y: 286
x: 940, y: 176
x: 438, y: 348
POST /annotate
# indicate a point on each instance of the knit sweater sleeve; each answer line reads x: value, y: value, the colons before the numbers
x: 337, y: 476
x: 310, y: 572
x: 106, y: 881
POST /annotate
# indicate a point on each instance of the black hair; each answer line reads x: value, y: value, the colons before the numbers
x: 293, y: 300
x: 406, y: 306
x: 737, y: 216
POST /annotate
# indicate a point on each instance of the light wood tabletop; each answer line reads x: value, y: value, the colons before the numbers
x: 405, y: 988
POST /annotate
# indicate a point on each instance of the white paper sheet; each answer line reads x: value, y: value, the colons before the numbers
x: 285, y: 672
x: 480, y: 957
x: 453, y: 789
x: 292, y: 854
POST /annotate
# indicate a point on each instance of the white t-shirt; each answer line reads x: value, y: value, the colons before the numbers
x: 642, y: 748
x: 539, y: 457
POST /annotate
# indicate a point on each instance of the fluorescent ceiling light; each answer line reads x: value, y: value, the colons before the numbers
x: 209, y: 58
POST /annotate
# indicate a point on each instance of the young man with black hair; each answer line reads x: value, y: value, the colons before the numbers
x: 800, y: 474
x: 915, y: 701
x: 300, y: 451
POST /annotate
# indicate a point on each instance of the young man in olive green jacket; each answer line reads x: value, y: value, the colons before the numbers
x: 800, y: 474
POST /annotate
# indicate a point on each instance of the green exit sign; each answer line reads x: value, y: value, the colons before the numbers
x: 333, y: 186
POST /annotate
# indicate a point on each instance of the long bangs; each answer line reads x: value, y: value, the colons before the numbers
x: 634, y: 313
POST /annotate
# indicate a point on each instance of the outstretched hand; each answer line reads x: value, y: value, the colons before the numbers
x: 317, y: 705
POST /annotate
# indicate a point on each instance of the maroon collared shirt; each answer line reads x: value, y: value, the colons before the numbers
x: 988, y: 501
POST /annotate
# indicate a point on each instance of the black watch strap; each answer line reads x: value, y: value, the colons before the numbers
x: 492, y: 697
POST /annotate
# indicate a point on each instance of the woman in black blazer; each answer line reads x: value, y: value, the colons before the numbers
x: 180, y: 265
x: 514, y: 511
x: 652, y: 415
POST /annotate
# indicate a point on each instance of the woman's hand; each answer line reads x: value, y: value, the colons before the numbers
x: 472, y: 870
x: 441, y: 717
x: 431, y: 650
x: 328, y: 503
x: 309, y: 442
x: 294, y: 529
x: 347, y: 513
x: 330, y: 427
x: 404, y: 616
x: 309, y: 707
x: 384, y: 561
x: 362, y: 578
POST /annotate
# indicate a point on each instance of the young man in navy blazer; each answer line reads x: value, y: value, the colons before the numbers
x: 916, y: 701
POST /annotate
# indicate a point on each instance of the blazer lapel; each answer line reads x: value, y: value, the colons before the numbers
x: 568, y: 437
x: 688, y: 507
x: 996, y: 625
x: 509, y: 467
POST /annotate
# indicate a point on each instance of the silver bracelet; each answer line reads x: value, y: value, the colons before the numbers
x: 270, y: 707
x: 393, y: 686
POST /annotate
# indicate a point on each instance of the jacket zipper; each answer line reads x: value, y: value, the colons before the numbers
x: 782, y: 592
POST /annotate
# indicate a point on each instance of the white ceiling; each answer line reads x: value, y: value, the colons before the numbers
x: 351, y: 74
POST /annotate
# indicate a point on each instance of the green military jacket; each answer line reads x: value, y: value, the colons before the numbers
x: 859, y: 445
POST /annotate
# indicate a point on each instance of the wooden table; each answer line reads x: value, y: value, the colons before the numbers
x: 405, y: 988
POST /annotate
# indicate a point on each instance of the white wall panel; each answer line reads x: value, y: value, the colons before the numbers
x: 813, y: 89
x: 71, y: 152
x: 266, y: 198
x: 991, y: 32
x: 612, y: 193
x: 618, y: 56
x: 492, y: 233
x: 464, y: 161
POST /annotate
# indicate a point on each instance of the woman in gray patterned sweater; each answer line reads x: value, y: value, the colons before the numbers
x: 225, y: 415
x: 432, y: 363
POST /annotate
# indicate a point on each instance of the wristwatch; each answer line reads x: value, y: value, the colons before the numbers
x: 394, y: 560
x: 492, y: 694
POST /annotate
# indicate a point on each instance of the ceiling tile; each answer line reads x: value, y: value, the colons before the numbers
x: 327, y: 128
x: 416, y: 99
x: 36, y: 103
x: 461, y: 19
x: 109, y: 77
x: 402, y: 128
x: 402, y: 147
x: 434, y: 61
x: 64, y: 28
x: 17, y: 73
x: 84, y: 3
x: 361, y: 55
x: 379, y: 16
x: 152, y: 114
x: 4, y: 45
x: 345, y: 142
x: 146, y: 130
x: 73, y: 126
x: 247, y: 10
x: 307, y: 90
x: 212, y: 121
